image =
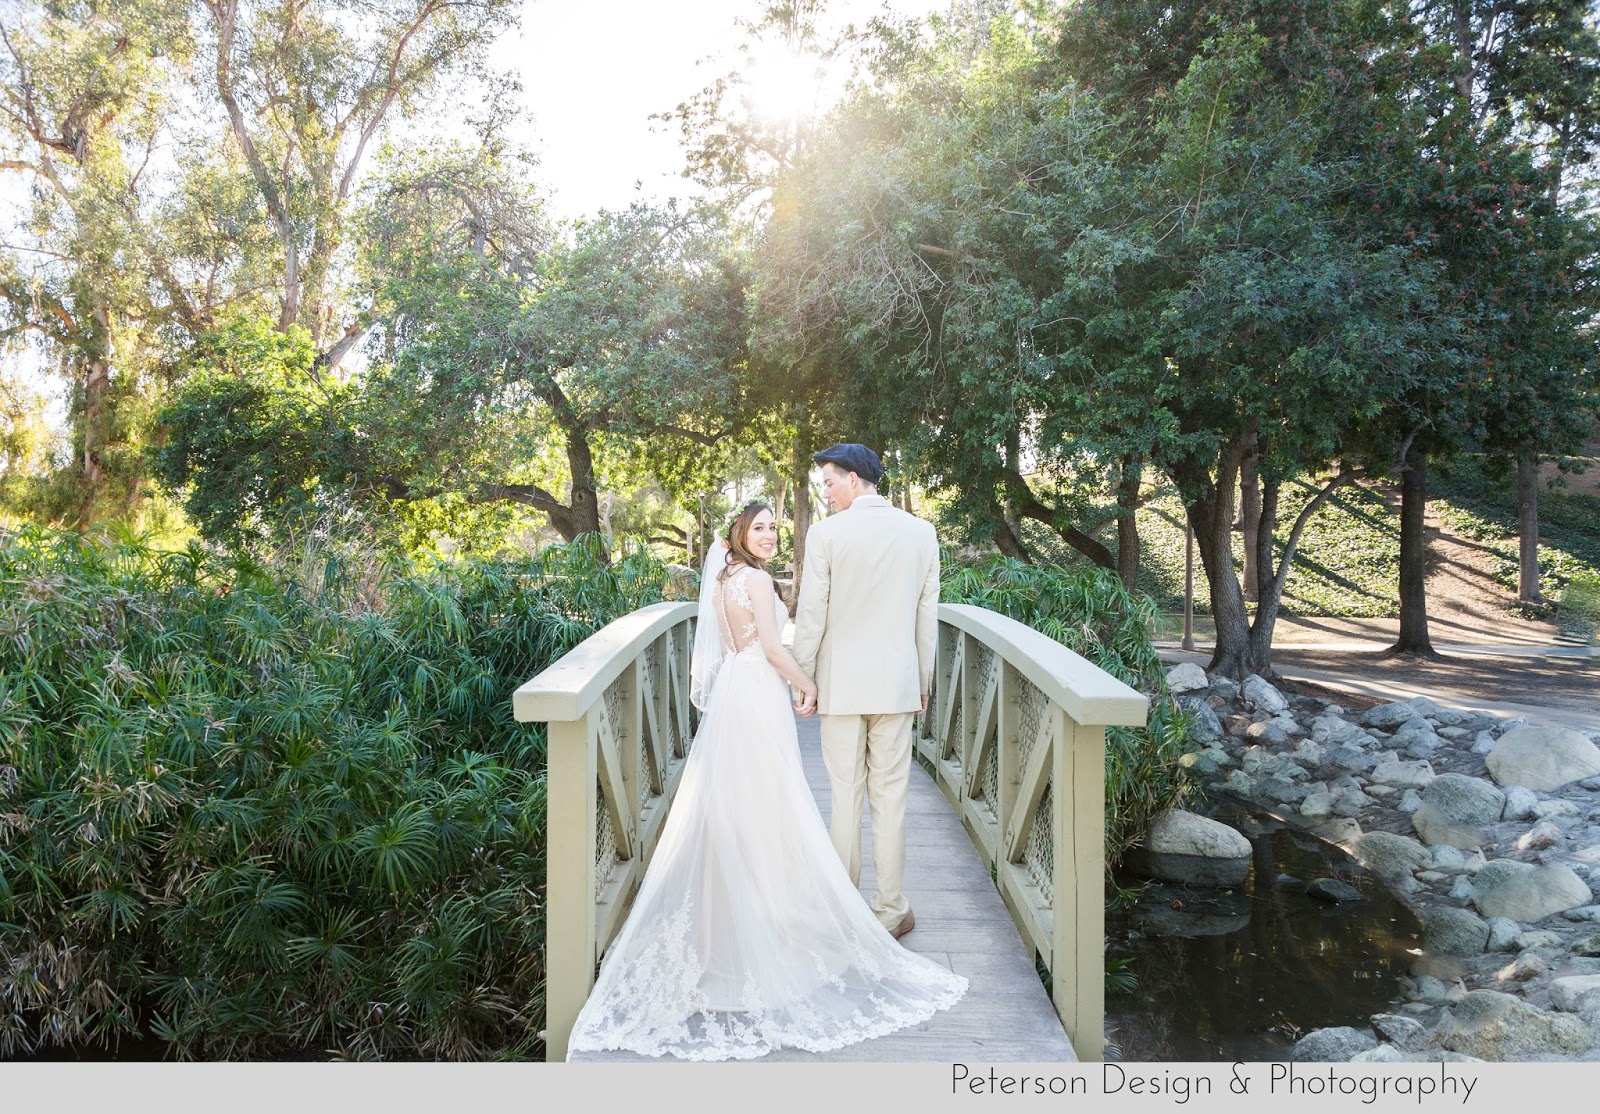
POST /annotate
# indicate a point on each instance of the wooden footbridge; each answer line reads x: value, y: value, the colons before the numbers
x: 1005, y: 839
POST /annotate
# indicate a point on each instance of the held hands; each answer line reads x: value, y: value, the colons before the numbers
x: 806, y: 705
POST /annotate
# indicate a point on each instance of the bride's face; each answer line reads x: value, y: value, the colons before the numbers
x: 762, y: 539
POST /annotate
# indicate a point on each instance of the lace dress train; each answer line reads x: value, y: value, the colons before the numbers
x: 747, y: 934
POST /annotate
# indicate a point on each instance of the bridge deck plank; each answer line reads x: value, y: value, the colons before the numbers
x: 1005, y: 1015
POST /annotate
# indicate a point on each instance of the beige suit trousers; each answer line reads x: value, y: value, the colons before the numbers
x: 870, y: 756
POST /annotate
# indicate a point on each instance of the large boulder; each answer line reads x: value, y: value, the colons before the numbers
x: 1340, y: 829
x: 1332, y: 890
x: 1503, y: 933
x: 1527, y: 893
x: 1334, y: 1045
x: 1403, y: 775
x: 1405, y: 1033
x: 1455, y: 808
x: 1587, y: 944
x: 1260, y: 695
x: 1335, y: 729
x: 1575, y: 993
x: 1383, y: 1054
x: 1187, y: 677
x: 1390, y: 715
x: 1450, y: 931
x: 1206, y: 723
x: 1520, y: 803
x: 1317, y: 804
x: 1347, y: 759
x: 1495, y: 1026
x: 1183, y: 847
x: 1543, y: 757
x: 1537, y: 838
x: 1164, y: 920
x: 1389, y: 856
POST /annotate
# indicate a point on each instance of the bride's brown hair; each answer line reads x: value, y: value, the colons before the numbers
x: 738, y: 537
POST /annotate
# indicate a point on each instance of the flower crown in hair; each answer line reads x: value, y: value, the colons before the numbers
x: 733, y: 515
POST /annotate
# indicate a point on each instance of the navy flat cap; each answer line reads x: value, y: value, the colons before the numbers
x: 852, y: 458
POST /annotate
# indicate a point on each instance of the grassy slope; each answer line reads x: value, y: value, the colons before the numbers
x: 1348, y: 560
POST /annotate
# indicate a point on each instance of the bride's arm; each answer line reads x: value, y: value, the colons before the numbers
x: 763, y: 600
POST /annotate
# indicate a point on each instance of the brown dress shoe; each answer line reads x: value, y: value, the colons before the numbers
x: 903, y: 927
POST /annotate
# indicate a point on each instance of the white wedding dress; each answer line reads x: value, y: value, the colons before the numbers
x: 747, y: 934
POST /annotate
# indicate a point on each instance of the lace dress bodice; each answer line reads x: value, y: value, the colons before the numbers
x: 737, y: 611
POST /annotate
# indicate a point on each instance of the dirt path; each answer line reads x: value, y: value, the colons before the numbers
x: 1541, y: 672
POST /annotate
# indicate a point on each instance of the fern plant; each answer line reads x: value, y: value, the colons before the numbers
x: 279, y: 808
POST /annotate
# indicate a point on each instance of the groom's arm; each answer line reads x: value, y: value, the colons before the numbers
x: 811, y: 613
x: 928, y: 624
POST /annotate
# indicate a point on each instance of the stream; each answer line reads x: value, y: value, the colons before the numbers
x: 1242, y: 974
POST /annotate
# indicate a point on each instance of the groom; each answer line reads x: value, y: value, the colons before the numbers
x: 865, y: 629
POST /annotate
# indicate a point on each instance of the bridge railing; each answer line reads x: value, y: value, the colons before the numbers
x: 1016, y: 738
x: 1015, y: 734
x: 620, y: 727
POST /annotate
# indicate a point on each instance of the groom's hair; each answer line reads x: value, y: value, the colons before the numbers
x: 851, y: 457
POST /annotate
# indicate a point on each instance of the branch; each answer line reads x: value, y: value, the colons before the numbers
x: 1405, y: 448
x: 353, y: 334
x: 390, y: 91
x: 1281, y: 575
x: 531, y: 495
x: 1027, y: 505
x: 226, y: 13
x: 707, y: 439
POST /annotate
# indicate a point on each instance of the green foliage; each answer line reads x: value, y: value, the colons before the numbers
x: 1092, y: 614
x: 1479, y: 501
x: 1580, y: 605
x: 25, y: 440
x: 249, y: 432
x: 262, y: 811
x: 1346, y: 563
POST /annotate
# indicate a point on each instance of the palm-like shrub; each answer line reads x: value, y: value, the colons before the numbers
x: 258, y: 819
x: 1091, y: 613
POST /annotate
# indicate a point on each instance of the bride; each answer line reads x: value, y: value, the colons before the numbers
x: 747, y: 934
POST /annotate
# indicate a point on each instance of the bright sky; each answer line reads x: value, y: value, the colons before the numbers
x: 595, y: 70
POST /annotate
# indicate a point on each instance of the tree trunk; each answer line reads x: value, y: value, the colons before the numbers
x: 1008, y: 538
x: 1250, y: 517
x: 1466, y: 41
x: 1268, y: 588
x: 800, y: 478
x: 584, y: 502
x: 96, y: 409
x: 1127, y: 524
x: 1528, y: 531
x: 1211, y: 515
x: 1413, y: 556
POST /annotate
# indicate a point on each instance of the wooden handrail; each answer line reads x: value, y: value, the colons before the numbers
x: 1016, y: 738
x: 620, y: 727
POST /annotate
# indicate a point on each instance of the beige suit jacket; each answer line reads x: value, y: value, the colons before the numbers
x: 867, y: 619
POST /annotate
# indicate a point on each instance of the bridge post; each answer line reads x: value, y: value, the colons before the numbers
x: 572, y: 797
x: 1079, y: 925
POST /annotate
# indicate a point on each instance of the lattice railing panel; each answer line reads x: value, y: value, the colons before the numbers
x: 988, y: 792
x: 1032, y: 722
x: 606, y: 857
x: 649, y: 671
x: 956, y: 742
x: 1038, y: 857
